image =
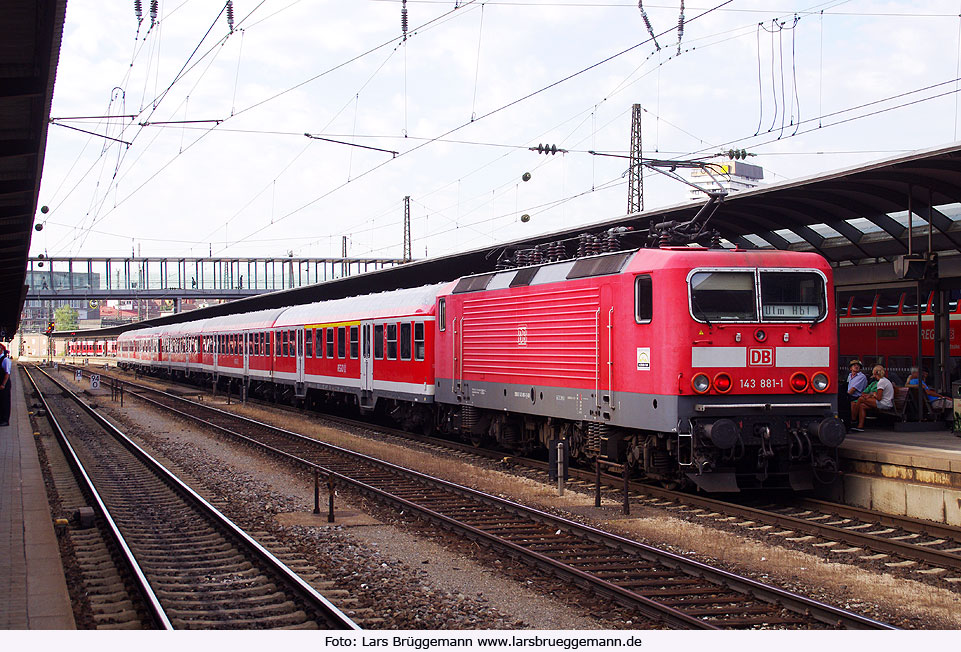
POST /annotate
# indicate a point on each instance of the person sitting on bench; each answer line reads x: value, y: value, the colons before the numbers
x: 935, y: 401
x: 882, y: 399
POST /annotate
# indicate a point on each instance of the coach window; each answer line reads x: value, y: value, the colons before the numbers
x: 391, y: 341
x: 309, y: 343
x: 319, y: 351
x: 442, y: 314
x: 405, y: 341
x: 910, y: 305
x: 643, y: 299
x: 419, y: 341
x: 379, y: 342
x: 861, y: 303
x: 285, y: 345
x: 888, y: 302
x: 341, y: 342
x: 953, y: 296
x: 353, y: 342
x: 330, y: 343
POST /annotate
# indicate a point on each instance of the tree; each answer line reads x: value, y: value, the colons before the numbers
x: 66, y: 318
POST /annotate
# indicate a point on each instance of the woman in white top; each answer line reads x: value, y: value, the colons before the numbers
x: 883, y: 399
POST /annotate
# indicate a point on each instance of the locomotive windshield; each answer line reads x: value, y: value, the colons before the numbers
x: 792, y: 296
x: 723, y: 296
x: 718, y: 296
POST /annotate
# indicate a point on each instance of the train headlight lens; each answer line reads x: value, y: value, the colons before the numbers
x: 799, y: 382
x: 722, y: 383
x: 820, y: 382
x: 701, y: 383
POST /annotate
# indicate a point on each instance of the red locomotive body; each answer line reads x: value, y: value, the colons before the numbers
x: 718, y: 364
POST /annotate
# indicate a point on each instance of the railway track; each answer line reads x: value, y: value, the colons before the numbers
x: 929, y: 551
x: 664, y: 587
x: 184, y: 564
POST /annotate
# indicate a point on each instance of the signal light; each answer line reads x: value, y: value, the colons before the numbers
x: 722, y: 382
x: 799, y: 382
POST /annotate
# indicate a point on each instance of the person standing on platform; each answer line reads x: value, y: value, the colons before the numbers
x: 6, y: 377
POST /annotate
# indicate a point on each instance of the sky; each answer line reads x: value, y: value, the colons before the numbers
x: 187, y: 135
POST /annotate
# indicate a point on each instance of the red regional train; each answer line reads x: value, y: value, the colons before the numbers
x: 880, y: 326
x: 92, y: 348
x: 693, y: 365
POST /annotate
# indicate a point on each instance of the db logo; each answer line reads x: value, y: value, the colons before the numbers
x: 522, y: 335
x: 761, y: 357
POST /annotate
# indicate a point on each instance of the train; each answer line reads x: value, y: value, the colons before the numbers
x: 91, y: 348
x: 880, y: 326
x: 695, y: 366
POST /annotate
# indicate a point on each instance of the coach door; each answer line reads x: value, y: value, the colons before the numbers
x: 366, y: 357
x: 366, y: 365
x: 246, y: 351
x: 300, y: 355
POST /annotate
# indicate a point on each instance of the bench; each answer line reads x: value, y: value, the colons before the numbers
x: 900, y: 405
x: 904, y: 400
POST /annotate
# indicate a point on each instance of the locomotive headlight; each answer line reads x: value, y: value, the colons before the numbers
x: 820, y: 382
x: 799, y: 382
x: 701, y: 383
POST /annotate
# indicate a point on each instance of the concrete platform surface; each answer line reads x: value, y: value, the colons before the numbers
x: 33, y: 591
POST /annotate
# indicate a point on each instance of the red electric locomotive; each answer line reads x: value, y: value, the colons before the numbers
x: 709, y: 365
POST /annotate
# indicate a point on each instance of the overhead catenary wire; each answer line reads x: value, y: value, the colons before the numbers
x: 354, y: 134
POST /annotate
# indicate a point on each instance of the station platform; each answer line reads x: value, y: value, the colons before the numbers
x: 33, y: 590
x: 915, y: 474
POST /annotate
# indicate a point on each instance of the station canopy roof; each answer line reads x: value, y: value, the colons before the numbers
x: 30, y: 34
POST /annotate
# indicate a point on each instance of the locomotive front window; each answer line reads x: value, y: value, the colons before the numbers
x: 792, y: 296
x: 723, y: 296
